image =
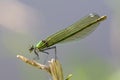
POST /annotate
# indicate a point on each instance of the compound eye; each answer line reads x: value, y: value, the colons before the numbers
x: 31, y: 49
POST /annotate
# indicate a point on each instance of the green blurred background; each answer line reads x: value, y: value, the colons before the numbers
x: 25, y: 22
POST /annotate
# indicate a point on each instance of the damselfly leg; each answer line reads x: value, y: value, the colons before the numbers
x: 48, y: 48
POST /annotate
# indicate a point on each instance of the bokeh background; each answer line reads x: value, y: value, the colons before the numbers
x: 25, y: 22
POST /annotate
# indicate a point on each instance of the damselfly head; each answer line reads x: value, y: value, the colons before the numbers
x: 31, y: 48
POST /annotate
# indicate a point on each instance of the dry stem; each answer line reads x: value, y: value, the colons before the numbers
x: 54, y: 68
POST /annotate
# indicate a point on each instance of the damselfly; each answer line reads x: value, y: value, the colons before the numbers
x: 79, y: 29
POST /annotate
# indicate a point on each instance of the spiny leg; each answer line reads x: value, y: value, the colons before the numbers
x: 37, y: 57
x: 44, y: 51
x: 53, y: 47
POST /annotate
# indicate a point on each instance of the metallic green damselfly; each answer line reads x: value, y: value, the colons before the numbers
x: 79, y: 29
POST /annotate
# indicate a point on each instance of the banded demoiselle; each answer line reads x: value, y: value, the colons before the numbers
x: 79, y: 29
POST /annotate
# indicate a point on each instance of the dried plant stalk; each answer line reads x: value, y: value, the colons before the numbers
x: 34, y: 63
x: 54, y: 68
